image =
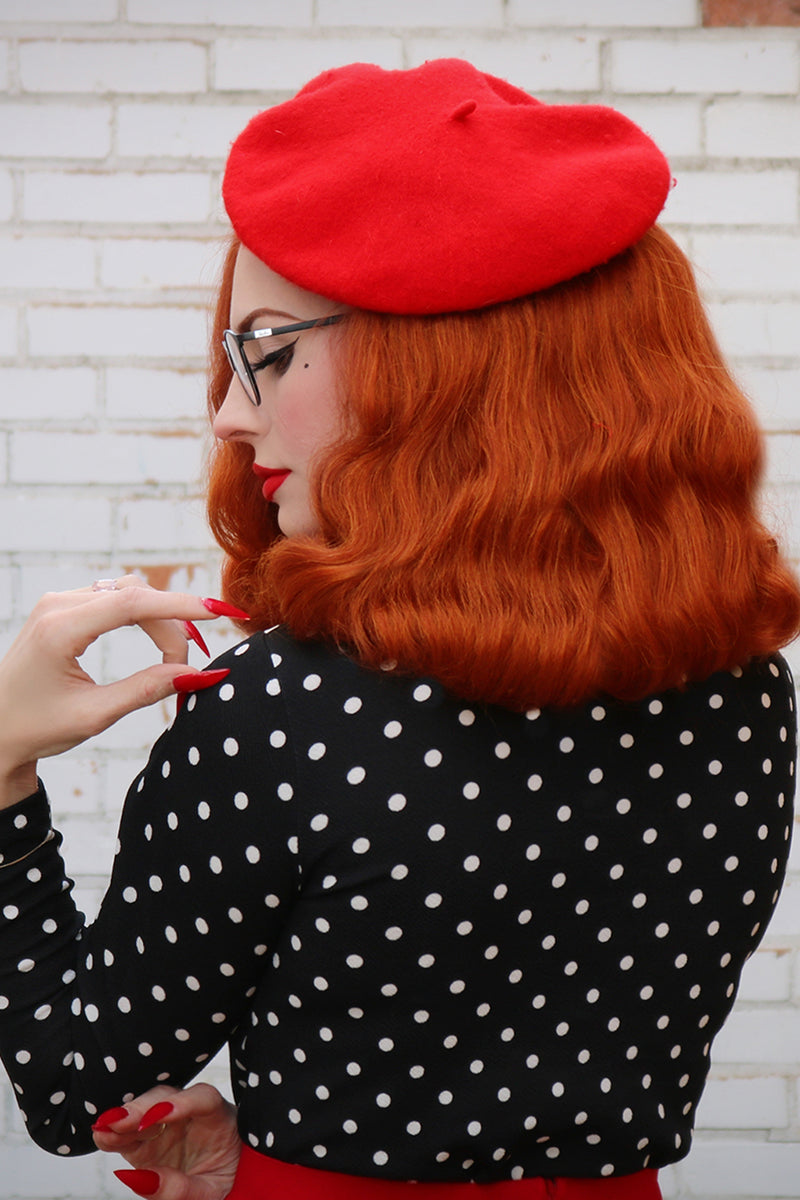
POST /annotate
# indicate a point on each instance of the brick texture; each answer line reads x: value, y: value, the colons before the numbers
x: 114, y: 124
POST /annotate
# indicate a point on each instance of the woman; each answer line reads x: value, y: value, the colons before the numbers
x: 464, y: 856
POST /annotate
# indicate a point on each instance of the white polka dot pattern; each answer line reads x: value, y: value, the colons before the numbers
x: 446, y: 943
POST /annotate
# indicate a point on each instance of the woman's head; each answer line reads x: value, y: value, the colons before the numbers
x: 523, y: 467
x: 536, y: 502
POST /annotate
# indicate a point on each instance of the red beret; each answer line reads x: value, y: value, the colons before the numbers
x: 437, y: 189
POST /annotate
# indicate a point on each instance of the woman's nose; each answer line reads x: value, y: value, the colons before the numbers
x: 237, y: 417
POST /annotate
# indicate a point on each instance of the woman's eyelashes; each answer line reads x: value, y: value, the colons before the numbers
x: 280, y: 359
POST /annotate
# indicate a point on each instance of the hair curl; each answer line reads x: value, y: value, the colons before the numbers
x: 536, y: 503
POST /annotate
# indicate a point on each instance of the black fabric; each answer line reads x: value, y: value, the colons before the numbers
x: 445, y: 942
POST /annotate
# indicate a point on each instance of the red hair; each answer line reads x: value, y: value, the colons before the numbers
x: 536, y: 503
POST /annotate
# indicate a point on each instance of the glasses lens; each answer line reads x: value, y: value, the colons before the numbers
x: 237, y: 360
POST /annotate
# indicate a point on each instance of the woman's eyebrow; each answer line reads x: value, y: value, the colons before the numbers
x: 246, y: 323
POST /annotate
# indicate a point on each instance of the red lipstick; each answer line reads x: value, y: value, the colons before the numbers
x: 272, y: 480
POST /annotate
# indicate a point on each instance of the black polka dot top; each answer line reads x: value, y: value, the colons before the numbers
x: 444, y: 941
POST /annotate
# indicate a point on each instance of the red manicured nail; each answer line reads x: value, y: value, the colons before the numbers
x: 199, y: 680
x: 154, y: 1115
x: 109, y: 1118
x: 191, y: 631
x: 221, y: 609
x: 144, y: 1183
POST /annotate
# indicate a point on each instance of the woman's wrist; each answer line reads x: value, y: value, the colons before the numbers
x: 17, y: 783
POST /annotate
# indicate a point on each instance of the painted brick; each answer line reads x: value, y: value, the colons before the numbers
x: 119, y: 197
x: 158, y: 263
x: 749, y: 1037
x: 774, y: 393
x: 6, y: 196
x: 749, y: 262
x: 704, y: 64
x: 538, y: 62
x: 746, y: 1169
x: 147, y: 67
x: 734, y: 198
x: 631, y: 13
x: 756, y: 128
x: 258, y: 13
x: 794, y: 853
x: 88, y: 844
x: 74, y: 782
x: 159, y: 525
x: 744, y: 1104
x: 35, y: 523
x: 674, y: 124
x: 6, y: 595
x: 8, y: 330
x: 792, y: 652
x: 32, y: 394
x: 150, y: 130
x: 31, y: 262
x: 39, y: 1176
x: 4, y: 444
x: 60, y: 575
x: 56, y: 130
x: 105, y: 331
x: 105, y: 458
x: 767, y: 977
x: 284, y: 64
x: 486, y: 13
x: 786, y: 921
x: 118, y: 775
x: 4, y: 51
x: 757, y: 328
x: 58, y: 10
x: 137, y: 394
x: 194, y: 577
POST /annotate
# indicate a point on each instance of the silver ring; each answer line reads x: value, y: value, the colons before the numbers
x: 105, y: 585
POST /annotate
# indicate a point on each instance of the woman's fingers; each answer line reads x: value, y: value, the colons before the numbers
x: 180, y: 1145
x: 201, y: 1100
x: 93, y: 614
x: 169, y: 1184
x: 48, y: 703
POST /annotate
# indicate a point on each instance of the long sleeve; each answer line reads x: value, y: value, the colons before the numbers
x: 200, y: 884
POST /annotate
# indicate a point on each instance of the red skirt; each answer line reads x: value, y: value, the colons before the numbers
x: 262, y: 1178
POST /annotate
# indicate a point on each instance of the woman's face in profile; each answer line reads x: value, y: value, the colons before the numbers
x: 298, y: 415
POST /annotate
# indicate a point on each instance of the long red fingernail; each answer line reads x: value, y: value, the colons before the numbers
x: 144, y: 1183
x: 221, y: 609
x: 199, y: 680
x: 109, y: 1118
x: 191, y: 631
x: 154, y: 1115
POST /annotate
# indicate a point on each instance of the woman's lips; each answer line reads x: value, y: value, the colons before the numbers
x: 272, y: 480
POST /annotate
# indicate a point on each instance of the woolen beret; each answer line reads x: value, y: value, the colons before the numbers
x: 437, y: 189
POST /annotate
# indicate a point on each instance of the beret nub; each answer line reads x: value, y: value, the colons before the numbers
x: 437, y: 189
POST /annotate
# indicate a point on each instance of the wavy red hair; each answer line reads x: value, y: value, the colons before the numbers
x: 536, y: 503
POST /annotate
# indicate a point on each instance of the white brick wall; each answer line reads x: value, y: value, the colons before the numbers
x: 115, y: 117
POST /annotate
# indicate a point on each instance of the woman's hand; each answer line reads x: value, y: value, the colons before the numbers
x: 48, y: 703
x: 188, y: 1150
